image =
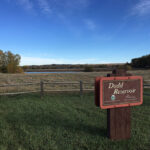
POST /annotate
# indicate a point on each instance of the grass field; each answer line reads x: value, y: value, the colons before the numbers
x: 65, y: 122
x: 53, y: 77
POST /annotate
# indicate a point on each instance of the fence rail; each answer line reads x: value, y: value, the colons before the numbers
x: 42, y: 87
x: 12, y: 89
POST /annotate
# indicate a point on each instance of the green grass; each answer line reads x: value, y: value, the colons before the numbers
x: 65, y: 122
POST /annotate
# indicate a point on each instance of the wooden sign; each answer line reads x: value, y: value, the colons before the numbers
x: 116, y: 93
x: 112, y: 92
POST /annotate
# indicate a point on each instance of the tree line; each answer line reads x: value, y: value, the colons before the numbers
x: 71, y: 67
x: 9, y: 62
x: 141, y: 62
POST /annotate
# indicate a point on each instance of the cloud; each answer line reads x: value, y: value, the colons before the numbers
x: 45, y: 6
x: 52, y: 7
x: 44, y: 61
x: 86, y: 61
x: 84, y: 3
x: 79, y: 4
x: 27, y: 4
x: 39, y: 61
x: 141, y: 8
x: 90, y: 24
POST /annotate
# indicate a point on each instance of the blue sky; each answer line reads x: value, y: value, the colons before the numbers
x: 75, y: 31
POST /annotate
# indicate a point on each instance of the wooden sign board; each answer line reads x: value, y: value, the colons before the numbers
x: 113, y: 92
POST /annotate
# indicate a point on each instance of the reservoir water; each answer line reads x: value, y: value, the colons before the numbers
x: 48, y: 72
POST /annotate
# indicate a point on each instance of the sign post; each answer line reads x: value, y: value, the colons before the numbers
x: 117, y: 93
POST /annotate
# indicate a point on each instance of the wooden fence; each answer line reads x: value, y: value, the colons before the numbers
x: 43, y: 87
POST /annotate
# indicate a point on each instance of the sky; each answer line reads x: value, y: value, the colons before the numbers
x: 75, y: 31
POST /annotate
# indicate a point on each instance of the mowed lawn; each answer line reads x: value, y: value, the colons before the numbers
x: 65, y: 122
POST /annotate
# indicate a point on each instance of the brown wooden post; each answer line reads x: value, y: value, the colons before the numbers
x: 81, y: 88
x: 42, y: 88
x: 119, y: 119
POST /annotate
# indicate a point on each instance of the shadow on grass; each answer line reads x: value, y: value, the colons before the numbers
x: 54, y: 120
x: 146, y: 100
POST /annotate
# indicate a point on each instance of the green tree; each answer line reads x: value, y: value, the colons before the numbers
x: 9, y: 62
x: 141, y: 62
x: 2, y: 62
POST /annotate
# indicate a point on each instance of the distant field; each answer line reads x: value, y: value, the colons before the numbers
x: 84, y: 76
x: 48, y: 77
x: 65, y: 122
x: 55, y: 77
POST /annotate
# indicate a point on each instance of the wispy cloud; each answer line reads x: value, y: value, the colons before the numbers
x: 79, y: 4
x: 27, y: 4
x: 42, y: 61
x: 61, y: 10
x: 52, y: 6
x: 45, y: 6
x: 141, y: 8
x: 39, y: 61
x: 90, y: 24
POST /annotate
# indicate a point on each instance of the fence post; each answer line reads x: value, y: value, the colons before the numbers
x: 81, y: 88
x: 41, y: 88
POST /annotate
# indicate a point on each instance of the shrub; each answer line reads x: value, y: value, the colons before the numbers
x: 88, y: 69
